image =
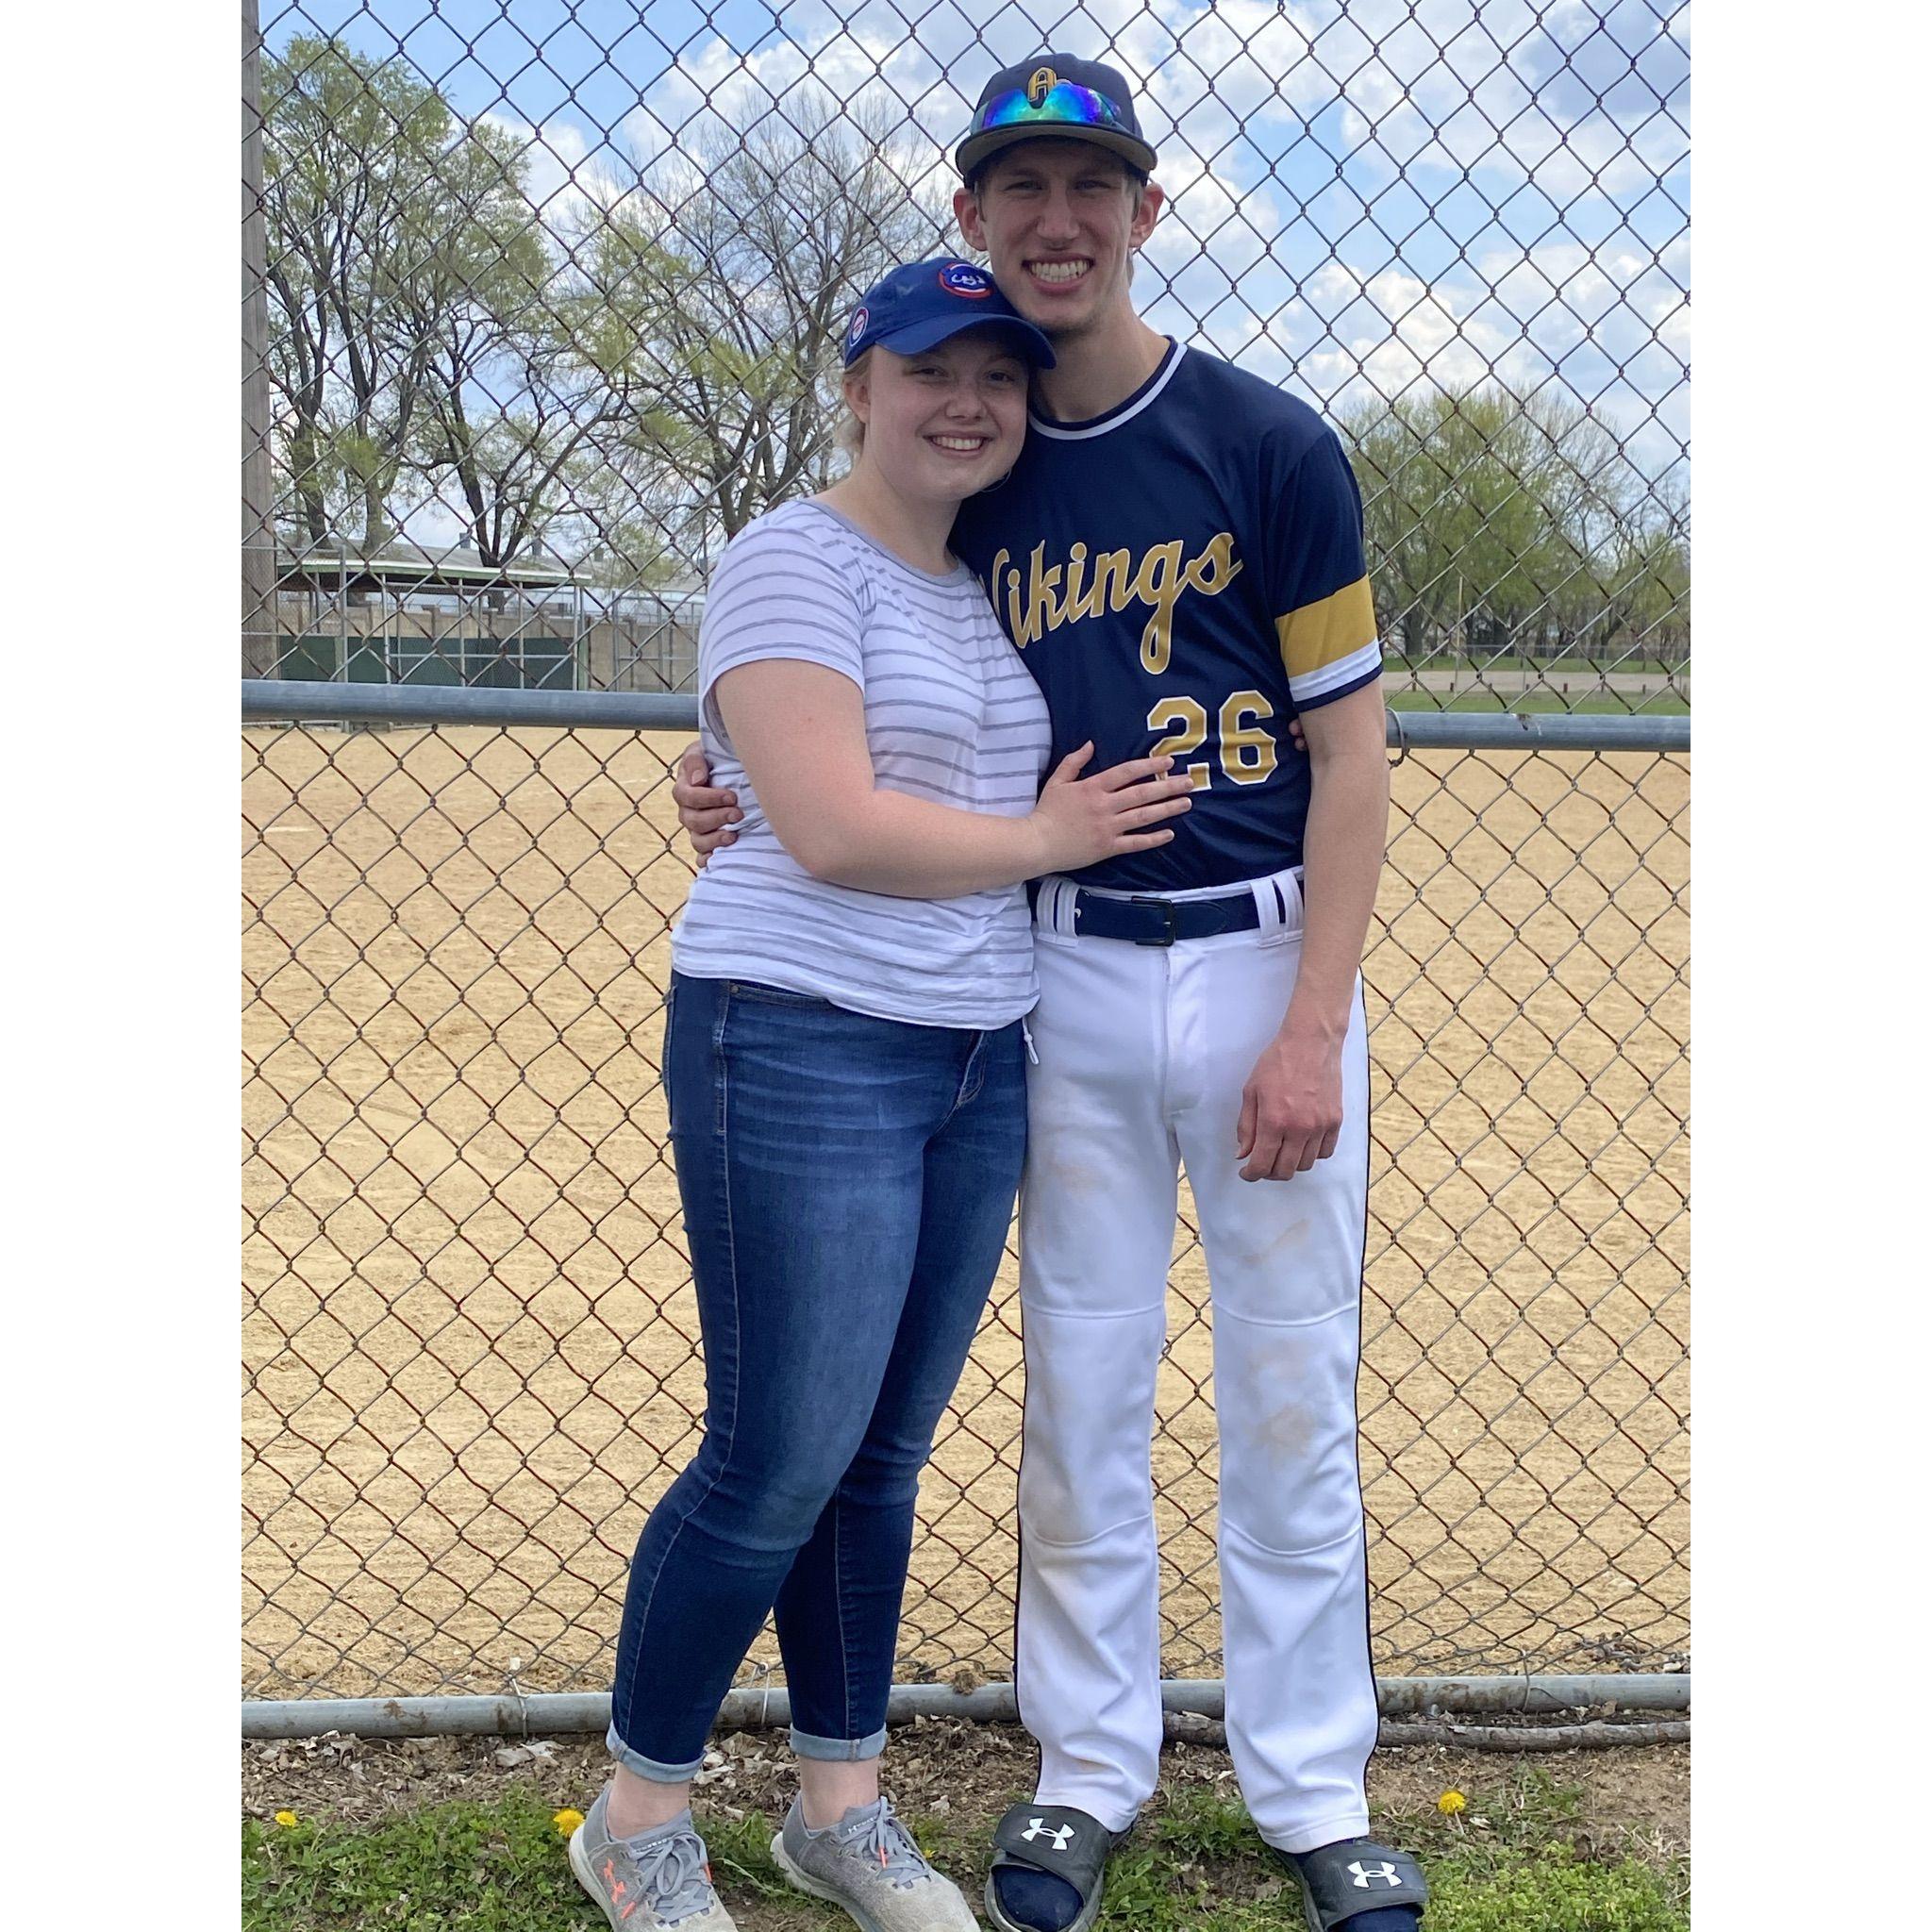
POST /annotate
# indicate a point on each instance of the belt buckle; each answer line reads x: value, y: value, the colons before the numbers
x: 1167, y: 906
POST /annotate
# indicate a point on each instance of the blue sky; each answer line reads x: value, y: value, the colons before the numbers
x: 1368, y: 195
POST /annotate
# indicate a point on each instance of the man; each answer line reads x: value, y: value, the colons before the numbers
x: 1178, y: 554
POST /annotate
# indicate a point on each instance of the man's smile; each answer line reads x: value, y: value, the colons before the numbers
x: 1059, y: 273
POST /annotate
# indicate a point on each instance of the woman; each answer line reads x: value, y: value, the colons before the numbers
x: 843, y: 1063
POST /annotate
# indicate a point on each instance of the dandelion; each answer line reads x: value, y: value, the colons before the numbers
x: 1450, y: 1802
x: 285, y: 1819
x: 567, y: 1820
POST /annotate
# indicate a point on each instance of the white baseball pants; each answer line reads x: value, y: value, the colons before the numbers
x: 1142, y: 1053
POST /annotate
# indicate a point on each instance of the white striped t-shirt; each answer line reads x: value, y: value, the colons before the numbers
x: 951, y: 714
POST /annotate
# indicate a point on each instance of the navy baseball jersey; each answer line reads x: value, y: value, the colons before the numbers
x: 1183, y: 574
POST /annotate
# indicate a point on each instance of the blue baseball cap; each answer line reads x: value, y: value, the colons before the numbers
x: 919, y: 307
x: 1060, y: 97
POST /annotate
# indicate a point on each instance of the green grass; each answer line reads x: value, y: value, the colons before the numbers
x: 1591, y: 705
x: 1194, y: 1866
x: 1565, y: 667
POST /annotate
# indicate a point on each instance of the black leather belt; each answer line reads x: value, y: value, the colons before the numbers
x: 1160, y: 922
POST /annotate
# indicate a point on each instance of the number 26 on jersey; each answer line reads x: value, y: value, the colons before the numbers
x: 1247, y: 751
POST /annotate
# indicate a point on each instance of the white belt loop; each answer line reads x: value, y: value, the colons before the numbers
x: 1278, y: 901
x: 1054, y: 906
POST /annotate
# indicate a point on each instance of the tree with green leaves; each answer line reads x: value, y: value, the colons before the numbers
x: 400, y: 245
x: 527, y: 425
x: 1501, y: 523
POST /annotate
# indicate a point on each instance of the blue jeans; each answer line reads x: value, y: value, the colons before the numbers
x: 847, y: 1187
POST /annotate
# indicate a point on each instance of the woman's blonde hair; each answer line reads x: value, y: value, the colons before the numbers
x: 850, y: 434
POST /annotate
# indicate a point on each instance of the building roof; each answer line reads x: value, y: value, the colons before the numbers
x: 409, y: 563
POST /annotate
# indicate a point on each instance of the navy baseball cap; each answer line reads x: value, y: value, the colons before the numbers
x: 918, y: 307
x: 1055, y: 94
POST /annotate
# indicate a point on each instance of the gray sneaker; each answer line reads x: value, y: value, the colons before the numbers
x: 656, y: 1880
x: 868, y: 1864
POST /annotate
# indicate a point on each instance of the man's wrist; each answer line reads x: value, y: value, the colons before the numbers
x: 1316, y: 1023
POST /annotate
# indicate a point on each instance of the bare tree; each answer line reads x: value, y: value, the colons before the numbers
x: 510, y: 404
x: 731, y: 270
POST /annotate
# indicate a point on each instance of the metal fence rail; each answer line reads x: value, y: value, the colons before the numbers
x: 768, y: 1706
x: 294, y: 701
x: 540, y: 306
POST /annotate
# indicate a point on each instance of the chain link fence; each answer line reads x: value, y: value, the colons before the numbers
x: 542, y: 301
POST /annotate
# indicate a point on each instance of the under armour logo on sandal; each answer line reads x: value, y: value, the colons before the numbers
x: 1369, y: 1877
x: 1061, y: 1835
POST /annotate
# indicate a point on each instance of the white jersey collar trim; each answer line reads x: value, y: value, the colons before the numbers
x: 1079, y: 432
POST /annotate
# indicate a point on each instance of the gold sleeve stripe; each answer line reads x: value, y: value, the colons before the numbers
x: 1326, y: 631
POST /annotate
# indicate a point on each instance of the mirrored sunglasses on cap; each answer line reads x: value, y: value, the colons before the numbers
x: 1066, y: 104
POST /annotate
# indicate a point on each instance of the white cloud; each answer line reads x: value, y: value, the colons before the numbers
x: 1212, y: 219
x: 566, y: 177
x: 1619, y: 297
x: 1392, y: 331
x: 1497, y: 88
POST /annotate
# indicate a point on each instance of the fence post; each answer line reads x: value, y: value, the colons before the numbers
x: 257, y: 488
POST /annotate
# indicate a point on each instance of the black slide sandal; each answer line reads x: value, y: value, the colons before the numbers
x: 1342, y: 1881
x: 1062, y: 1843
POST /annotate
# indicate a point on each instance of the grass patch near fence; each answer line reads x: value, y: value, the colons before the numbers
x: 1517, y: 1860
x: 1656, y: 704
x: 1627, y: 665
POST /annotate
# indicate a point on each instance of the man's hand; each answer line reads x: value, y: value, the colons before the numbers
x: 706, y: 813
x: 1290, y: 1107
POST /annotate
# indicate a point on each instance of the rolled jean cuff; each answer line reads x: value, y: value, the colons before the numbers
x: 649, y: 1767
x: 837, y: 1750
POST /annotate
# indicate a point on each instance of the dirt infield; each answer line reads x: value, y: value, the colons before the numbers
x: 470, y: 1338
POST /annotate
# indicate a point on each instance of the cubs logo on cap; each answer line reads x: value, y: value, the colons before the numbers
x: 962, y: 278
x: 918, y: 307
